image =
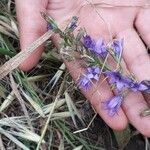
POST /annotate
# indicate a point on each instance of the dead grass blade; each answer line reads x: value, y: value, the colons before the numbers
x: 4, y: 31
x: 14, y: 28
x: 7, y: 101
x: 12, y: 138
x: 47, y: 108
x: 18, y: 128
x: 23, y: 55
x: 56, y: 77
x: 72, y: 107
x: 35, y: 105
x: 27, y: 135
x: 78, y: 148
x: 61, y: 115
x: 61, y: 145
x: 69, y: 104
x: 17, y: 94
x: 50, y: 114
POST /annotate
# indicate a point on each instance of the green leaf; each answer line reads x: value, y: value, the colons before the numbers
x: 4, y: 51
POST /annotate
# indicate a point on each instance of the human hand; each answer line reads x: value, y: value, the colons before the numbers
x: 119, y: 22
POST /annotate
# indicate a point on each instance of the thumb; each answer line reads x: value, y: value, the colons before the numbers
x: 31, y: 26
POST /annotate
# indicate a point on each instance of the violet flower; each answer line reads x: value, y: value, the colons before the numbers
x: 92, y: 73
x: 84, y: 83
x: 118, y: 80
x: 101, y: 48
x: 113, y: 104
x: 134, y: 86
x: 122, y: 82
x: 88, y: 42
x: 117, y: 46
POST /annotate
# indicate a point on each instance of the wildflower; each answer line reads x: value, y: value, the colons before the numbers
x: 113, y: 104
x: 101, y: 48
x: 124, y: 82
x: 98, y: 47
x: 92, y: 73
x: 117, y: 46
x: 117, y: 79
x: 137, y: 86
x: 84, y: 82
x: 88, y: 42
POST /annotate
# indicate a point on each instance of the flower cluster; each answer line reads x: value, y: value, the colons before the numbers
x: 99, y: 47
x: 94, y: 54
x: 120, y: 82
x: 92, y: 73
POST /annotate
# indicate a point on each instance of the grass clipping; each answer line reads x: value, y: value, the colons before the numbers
x: 14, y: 62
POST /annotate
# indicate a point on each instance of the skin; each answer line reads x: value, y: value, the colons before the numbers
x: 123, y: 22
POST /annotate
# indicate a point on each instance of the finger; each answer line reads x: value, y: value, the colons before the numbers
x: 135, y: 54
x: 133, y: 105
x: 138, y: 62
x: 31, y: 26
x: 143, y: 25
x: 99, y: 93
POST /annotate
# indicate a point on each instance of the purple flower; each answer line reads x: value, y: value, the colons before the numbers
x: 137, y: 86
x: 92, y: 73
x: 118, y: 80
x: 84, y: 83
x: 113, y: 104
x: 122, y: 82
x: 101, y: 48
x: 117, y: 46
x: 88, y: 42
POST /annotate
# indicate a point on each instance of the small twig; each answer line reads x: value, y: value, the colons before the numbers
x: 17, y: 94
x: 50, y: 114
x: 78, y: 131
x: 23, y: 55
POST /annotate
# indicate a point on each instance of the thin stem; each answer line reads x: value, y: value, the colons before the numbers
x: 50, y: 114
x: 14, y: 62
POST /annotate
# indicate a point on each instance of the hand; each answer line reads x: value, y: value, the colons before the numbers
x: 121, y: 22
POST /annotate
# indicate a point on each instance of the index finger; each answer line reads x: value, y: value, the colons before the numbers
x: 31, y: 26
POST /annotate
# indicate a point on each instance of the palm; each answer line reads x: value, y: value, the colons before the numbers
x: 102, y: 22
